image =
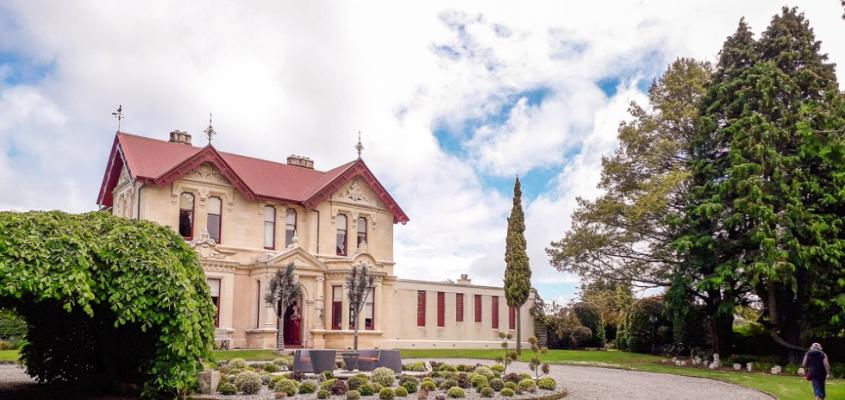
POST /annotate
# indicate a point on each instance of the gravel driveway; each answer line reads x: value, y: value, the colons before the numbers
x: 591, y: 383
x: 583, y: 383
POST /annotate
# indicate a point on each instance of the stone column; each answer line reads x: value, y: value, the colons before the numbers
x: 344, y: 311
x: 269, y: 312
x: 378, y: 302
x: 319, y: 304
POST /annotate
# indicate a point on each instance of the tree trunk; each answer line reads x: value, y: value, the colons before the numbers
x: 280, y: 334
x: 721, y: 327
x: 518, y: 332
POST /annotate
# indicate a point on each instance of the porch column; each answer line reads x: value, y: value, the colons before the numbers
x: 344, y: 311
x: 319, y: 303
x: 269, y: 312
x: 378, y: 302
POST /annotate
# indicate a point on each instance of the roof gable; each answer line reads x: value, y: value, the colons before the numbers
x: 207, y: 155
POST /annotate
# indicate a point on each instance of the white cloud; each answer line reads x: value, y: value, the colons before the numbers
x: 294, y: 77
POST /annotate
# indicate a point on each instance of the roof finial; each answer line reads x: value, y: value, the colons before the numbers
x: 359, y: 146
x: 119, y: 115
x: 210, y: 130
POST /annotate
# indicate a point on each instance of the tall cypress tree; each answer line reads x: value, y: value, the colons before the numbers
x: 517, y: 269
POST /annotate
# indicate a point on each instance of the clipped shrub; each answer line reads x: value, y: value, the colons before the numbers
x: 323, y: 394
x: 497, y: 384
x: 327, y: 384
x: 456, y: 392
x: 353, y: 395
x: 447, y: 368
x: 440, y: 396
x: 339, y: 388
x: 487, y: 392
x: 271, y: 368
x: 409, y: 384
x: 248, y: 382
x: 308, y: 387
x: 527, y: 385
x: 639, y: 332
x: 512, y: 377
x: 428, y: 385
x: 463, y: 379
x: 479, y: 381
x: 400, y: 391
x: 328, y: 374
x: 383, y: 376
x: 367, y: 389
x: 498, y: 369
x: 227, y: 388
x: 546, y: 383
x: 355, y: 382
x: 237, y: 363
x: 296, y: 375
x: 418, y: 366
x: 281, y: 362
x: 511, y: 385
x: 507, y: 392
x: 386, y: 394
x: 448, y: 384
x: 486, y: 371
x: 288, y: 386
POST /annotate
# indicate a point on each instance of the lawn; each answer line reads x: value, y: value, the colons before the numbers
x: 251, y: 355
x: 8, y: 355
x: 783, y: 387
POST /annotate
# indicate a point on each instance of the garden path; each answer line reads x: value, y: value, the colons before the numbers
x: 592, y: 383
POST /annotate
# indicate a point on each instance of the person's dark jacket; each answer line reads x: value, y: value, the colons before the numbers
x: 816, y: 363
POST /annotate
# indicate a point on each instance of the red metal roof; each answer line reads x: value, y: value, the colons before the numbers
x: 161, y: 162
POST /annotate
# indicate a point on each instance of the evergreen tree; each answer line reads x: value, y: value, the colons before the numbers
x: 517, y: 269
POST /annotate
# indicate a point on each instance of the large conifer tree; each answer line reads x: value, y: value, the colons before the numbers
x: 517, y: 269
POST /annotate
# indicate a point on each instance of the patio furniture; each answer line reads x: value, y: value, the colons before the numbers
x: 368, y: 359
x: 316, y: 361
x: 390, y: 359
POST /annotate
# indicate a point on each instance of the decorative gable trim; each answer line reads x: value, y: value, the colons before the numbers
x: 358, y: 169
x: 207, y: 155
x: 111, y: 175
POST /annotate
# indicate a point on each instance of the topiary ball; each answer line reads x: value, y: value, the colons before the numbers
x: 386, y: 394
x: 497, y: 384
x: 355, y: 382
x: 527, y: 385
x: 383, y: 376
x: 323, y: 394
x: 428, y: 385
x: 400, y: 392
x: 511, y: 386
x: 366, y: 389
x: 511, y: 377
x: 271, y: 367
x: 339, y: 387
x: 353, y: 395
x: 377, y: 387
x: 479, y: 381
x: 547, y: 383
x: 308, y: 387
x: 498, y: 368
x: 486, y: 371
x: 238, y: 363
x: 487, y: 391
x: 248, y: 382
x: 455, y: 392
x: 506, y: 392
x: 287, y: 386
x: 226, y: 388
x: 409, y: 385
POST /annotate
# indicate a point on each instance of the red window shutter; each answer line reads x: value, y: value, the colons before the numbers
x: 477, y: 308
x: 421, y: 308
x: 495, y: 310
x: 459, y: 307
x: 511, y: 317
x: 441, y: 309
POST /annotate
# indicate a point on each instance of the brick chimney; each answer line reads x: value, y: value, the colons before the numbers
x: 464, y: 280
x: 300, y: 161
x: 178, y: 136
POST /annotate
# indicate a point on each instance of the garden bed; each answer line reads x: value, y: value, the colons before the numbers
x: 242, y: 381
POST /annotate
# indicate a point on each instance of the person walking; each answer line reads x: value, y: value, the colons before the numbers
x: 818, y: 369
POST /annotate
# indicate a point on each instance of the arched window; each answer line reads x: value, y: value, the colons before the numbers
x: 362, y: 231
x: 269, y: 227
x: 341, y: 235
x: 215, y: 206
x: 186, y: 215
x: 290, y: 227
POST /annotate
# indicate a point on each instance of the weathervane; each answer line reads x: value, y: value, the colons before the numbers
x: 210, y: 130
x: 119, y: 115
x: 359, y: 146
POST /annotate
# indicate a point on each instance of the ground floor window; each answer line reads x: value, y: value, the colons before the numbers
x: 459, y: 307
x: 441, y: 309
x: 495, y: 311
x: 214, y: 285
x: 421, y: 308
x: 511, y: 317
x: 337, y: 307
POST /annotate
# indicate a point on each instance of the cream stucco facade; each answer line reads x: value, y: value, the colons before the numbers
x: 240, y: 263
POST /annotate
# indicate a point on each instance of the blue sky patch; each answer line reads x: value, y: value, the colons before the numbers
x: 552, y: 291
x: 19, y: 70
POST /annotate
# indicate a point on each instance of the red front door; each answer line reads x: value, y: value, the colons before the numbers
x: 293, y: 325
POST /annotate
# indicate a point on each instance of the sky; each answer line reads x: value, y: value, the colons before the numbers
x: 454, y: 100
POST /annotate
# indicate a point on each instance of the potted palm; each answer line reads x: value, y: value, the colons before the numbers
x: 359, y: 283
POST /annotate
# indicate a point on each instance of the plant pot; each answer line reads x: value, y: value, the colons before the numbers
x: 350, y: 358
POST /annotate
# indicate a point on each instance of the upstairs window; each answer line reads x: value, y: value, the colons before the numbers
x: 341, y: 235
x: 186, y: 215
x: 214, y: 218
x: 362, y: 231
x: 290, y: 227
x: 269, y: 227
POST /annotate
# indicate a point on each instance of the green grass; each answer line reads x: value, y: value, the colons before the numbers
x: 250, y: 355
x: 8, y: 355
x: 782, y: 387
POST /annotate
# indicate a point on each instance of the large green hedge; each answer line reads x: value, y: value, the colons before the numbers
x: 108, y: 301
